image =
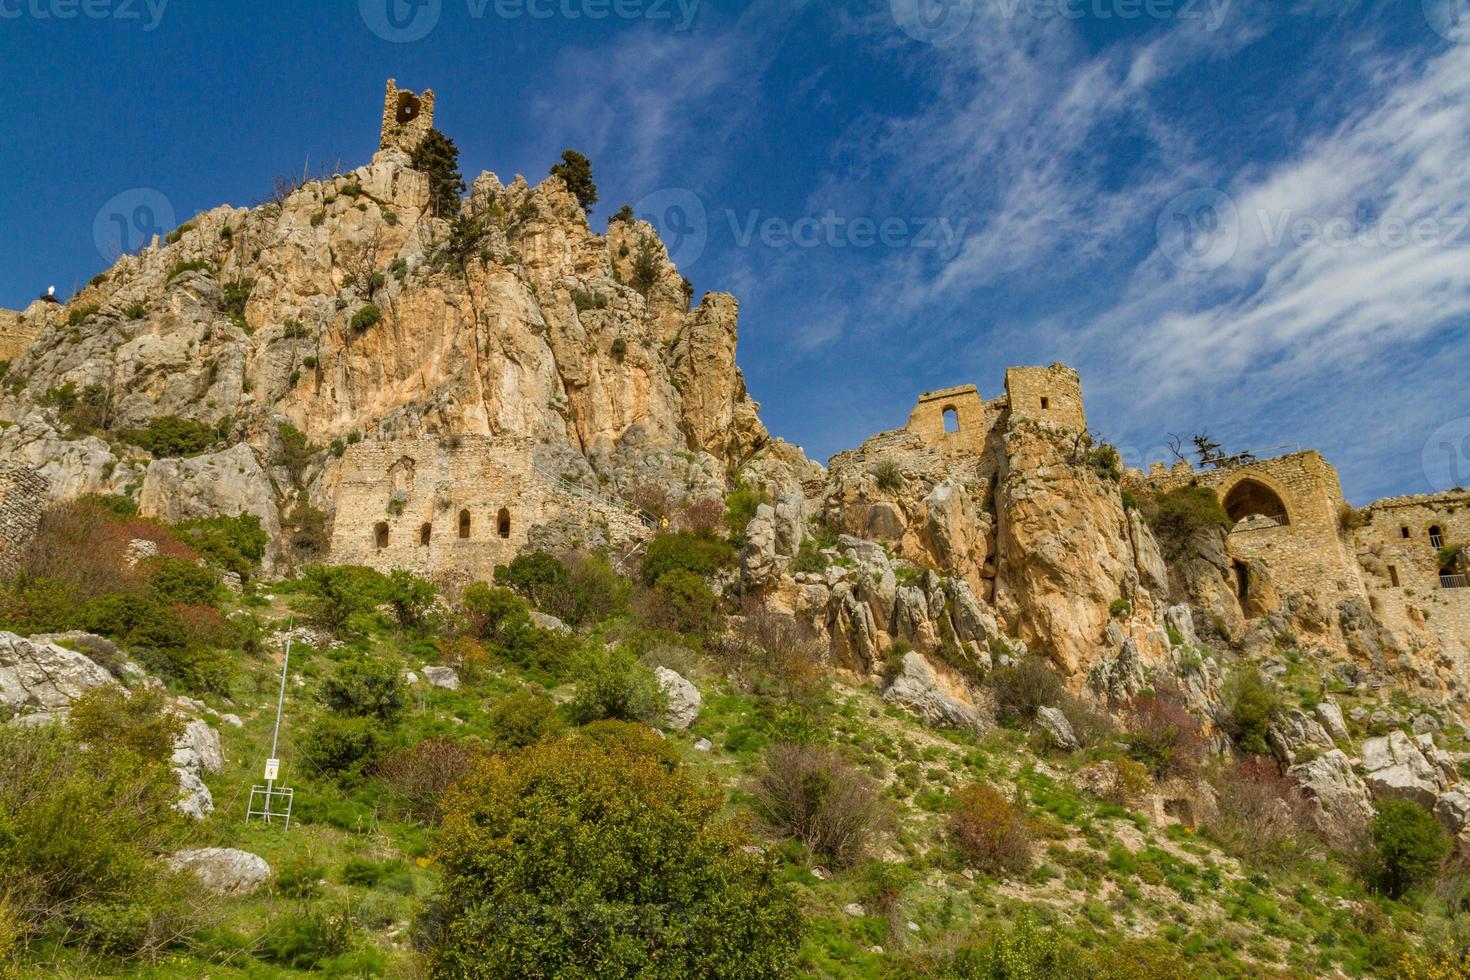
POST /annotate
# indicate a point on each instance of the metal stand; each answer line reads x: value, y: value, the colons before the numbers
x: 269, y: 808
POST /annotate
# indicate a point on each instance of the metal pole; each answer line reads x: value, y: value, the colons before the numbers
x: 280, y: 704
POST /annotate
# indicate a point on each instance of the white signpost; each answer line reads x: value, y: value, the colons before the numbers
x: 266, y: 801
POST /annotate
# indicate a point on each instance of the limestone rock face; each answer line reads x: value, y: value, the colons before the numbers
x: 1341, y: 797
x: 1398, y: 768
x: 933, y: 695
x: 1055, y: 727
x: 441, y: 677
x: 1065, y: 552
x: 223, y: 870
x: 44, y: 677
x: 198, y: 748
x: 346, y: 311
x: 1294, y: 732
x: 684, y: 700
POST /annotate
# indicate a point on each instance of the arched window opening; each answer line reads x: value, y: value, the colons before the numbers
x: 425, y: 533
x: 503, y: 523
x: 380, y: 535
x: 1436, y: 538
x: 464, y: 524
x: 951, y: 419
x: 1256, y: 502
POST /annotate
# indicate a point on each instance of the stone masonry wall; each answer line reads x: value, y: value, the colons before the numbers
x: 974, y: 417
x: 22, y: 498
x: 453, y: 511
x: 407, y: 118
x: 1047, y: 394
x: 16, y: 334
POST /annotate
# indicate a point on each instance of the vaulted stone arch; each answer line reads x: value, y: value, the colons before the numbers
x: 1253, y: 497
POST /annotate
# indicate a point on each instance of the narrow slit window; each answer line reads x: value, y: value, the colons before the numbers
x: 464, y: 524
x: 503, y: 523
x: 380, y: 535
x: 425, y: 534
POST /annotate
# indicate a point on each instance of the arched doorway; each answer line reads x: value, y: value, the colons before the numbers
x: 1253, y: 500
x: 951, y: 419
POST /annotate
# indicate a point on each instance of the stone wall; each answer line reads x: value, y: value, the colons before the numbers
x: 954, y: 421
x: 1046, y: 394
x: 16, y: 334
x: 407, y: 118
x: 455, y: 509
x: 1398, y: 550
x: 22, y: 499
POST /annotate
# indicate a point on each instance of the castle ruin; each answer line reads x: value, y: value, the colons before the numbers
x: 407, y: 118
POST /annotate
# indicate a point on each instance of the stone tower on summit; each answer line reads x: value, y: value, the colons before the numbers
x: 407, y: 118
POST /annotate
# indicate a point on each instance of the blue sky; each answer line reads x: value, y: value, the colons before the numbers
x: 1248, y: 218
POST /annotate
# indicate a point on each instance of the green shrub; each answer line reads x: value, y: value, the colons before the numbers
x: 81, y: 825
x: 646, y: 266
x: 1250, y: 703
x: 169, y: 436
x: 340, y: 746
x: 740, y: 507
x: 1120, y: 608
x: 575, y: 170
x: 135, y: 620
x: 613, y: 684
x: 307, y: 940
x: 624, y: 214
x: 438, y: 157
x: 566, y: 859
x: 888, y: 476
x: 537, y: 576
x: 175, y: 581
x: 988, y: 831
x: 141, y: 722
x: 1409, y: 846
x: 362, y: 686
x: 410, y: 596
x: 366, y: 317
x: 547, y: 653
x: 366, y: 873
x: 683, y: 552
x: 1178, y: 515
x: 681, y: 602
x: 492, y: 614
x: 232, y: 544
x: 298, y: 877
x: 335, y: 594
x: 136, y: 311
x: 522, y: 719
x: 236, y: 295
x: 180, y: 268
x: 619, y: 349
x: 179, y: 232
x: 79, y: 314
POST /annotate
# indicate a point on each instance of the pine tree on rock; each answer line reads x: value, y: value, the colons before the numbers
x: 575, y: 170
x: 438, y: 157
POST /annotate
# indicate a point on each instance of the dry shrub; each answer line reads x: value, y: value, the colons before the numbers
x: 652, y: 498
x: 703, y: 517
x: 814, y: 795
x: 988, y: 831
x: 1023, y: 688
x: 465, y: 654
x: 775, y: 653
x: 82, y: 543
x: 1262, y: 815
x: 422, y: 774
x: 1164, y: 736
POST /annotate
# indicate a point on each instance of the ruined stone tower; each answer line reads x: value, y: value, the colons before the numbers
x: 407, y: 118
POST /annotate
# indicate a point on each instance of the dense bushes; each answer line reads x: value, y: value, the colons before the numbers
x: 523, y: 719
x: 1250, y: 705
x: 169, y: 436
x: 578, y: 589
x: 335, y: 594
x: 1260, y: 813
x: 988, y: 831
x: 420, y: 775
x: 602, y: 856
x: 1023, y: 688
x: 364, y: 687
x: 232, y: 544
x: 1163, y: 736
x: 81, y: 825
x: 337, y: 746
x: 811, y: 793
x: 683, y: 552
x: 1409, y: 845
x: 612, y: 684
x: 493, y: 614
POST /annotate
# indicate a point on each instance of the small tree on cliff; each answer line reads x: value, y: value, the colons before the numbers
x: 438, y: 157
x: 575, y: 170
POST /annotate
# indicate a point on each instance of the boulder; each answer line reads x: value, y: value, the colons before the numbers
x: 223, y: 870
x: 1055, y: 728
x: 1293, y: 732
x: 543, y: 621
x: 1329, y: 716
x: 1396, y: 768
x: 759, y: 562
x: 194, y: 797
x: 445, y: 678
x: 197, y: 748
x: 1453, y: 810
x: 1340, y: 795
x: 683, y: 697
x: 938, y: 699
x: 45, y: 677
